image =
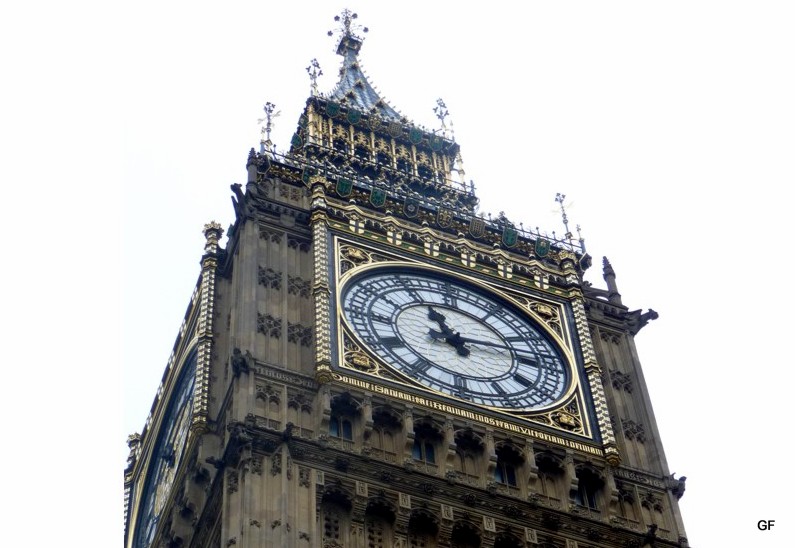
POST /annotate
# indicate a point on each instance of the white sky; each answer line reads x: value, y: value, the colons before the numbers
x: 669, y: 126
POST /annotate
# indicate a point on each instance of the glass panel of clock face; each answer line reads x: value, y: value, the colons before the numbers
x: 456, y: 338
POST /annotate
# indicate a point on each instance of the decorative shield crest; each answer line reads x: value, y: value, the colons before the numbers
x: 444, y: 217
x: 436, y: 143
x: 415, y: 135
x: 509, y: 236
x: 375, y: 122
x: 303, y: 121
x: 411, y: 208
x: 296, y: 141
x: 378, y: 197
x: 477, y: 227
x: 395, y: 129
x: 307, y: 174
x: 344, y: 186
x: 542, y: 247
x: 354, y: 116
x: 332, y: 109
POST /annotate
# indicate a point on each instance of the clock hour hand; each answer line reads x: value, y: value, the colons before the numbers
x: 435, y: 316
x: 451, y: 338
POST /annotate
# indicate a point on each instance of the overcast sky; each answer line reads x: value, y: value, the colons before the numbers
x: 668, y: 125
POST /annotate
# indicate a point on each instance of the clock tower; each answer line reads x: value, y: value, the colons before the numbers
x: 369, y: 362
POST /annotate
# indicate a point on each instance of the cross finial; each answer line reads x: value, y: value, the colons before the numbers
x: 348, y: 25
x: 314, y: 72
x: 265, y: 132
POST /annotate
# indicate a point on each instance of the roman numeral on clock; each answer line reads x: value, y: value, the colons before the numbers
x: 391, y: 342
x: 522, y: 380
x: 420, y: 366
x: 527, y: 361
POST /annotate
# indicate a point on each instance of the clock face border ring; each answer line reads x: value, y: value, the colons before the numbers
x: 546, y: 387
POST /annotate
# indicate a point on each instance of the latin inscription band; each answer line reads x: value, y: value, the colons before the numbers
x: 446, y: 408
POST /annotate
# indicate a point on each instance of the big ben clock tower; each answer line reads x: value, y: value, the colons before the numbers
x: 368, y: 362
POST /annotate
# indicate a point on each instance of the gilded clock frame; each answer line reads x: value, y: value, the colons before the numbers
x: 568, y: 415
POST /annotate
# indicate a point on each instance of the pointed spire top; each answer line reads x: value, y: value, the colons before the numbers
x: 353, y: 89
x: 607, y: 268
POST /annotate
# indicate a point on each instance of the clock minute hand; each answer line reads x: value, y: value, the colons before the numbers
x: 489, y: 343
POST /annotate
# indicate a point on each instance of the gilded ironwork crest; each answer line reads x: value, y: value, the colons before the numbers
x: 411, y: 207
x: 444, y: 217
x: 509, y: 236
x: 378, y: 197
x: 296, y: 141
x: 395, y: 129
x: 307, y: 174
x: 477, y: 227
x: 542, y: 247
x: 354, y: 116
x: 344, y: 186
x: 332, y: 109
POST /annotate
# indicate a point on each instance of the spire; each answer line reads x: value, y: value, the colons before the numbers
x: 353, y: 89
x: 610, y: 277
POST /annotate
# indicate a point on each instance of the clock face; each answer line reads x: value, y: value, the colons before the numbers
x: 455, y: 337
x: 166, y: 456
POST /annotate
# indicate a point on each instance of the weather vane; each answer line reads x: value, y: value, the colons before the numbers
x: 559, y: 199
x: 265, y: 139
x: 314, y: 72
x: 347, y: 23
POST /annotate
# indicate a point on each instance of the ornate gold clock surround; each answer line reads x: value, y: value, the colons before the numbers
x: 359, y: 367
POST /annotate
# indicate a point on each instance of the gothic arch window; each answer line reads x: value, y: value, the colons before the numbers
x: 335, y: 508
x: 465, y: 535
x: 383, y: 440
x: 589, y: 486
x: 423, y: 529
x: 379, y: 520
x: 550, y: 475
x: 626, y: 501
x: 469, y: 455
x: 509, y: 462
x: 345, y: 412
x: 427, y: 439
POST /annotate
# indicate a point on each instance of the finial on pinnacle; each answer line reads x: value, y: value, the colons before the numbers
x: 559, y: 199
x: 314, y: 72
x: 347, y: 28
x: 347, y: 23
x: 265, y: 142
x: 441, y: 113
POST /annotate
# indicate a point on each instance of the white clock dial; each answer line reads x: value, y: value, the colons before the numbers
x: 455, y: 337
